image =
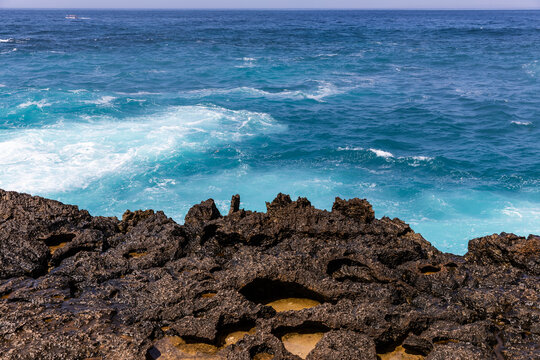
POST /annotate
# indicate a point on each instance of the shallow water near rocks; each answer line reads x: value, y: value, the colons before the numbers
x: 235, y: 336
x: 193, y: 350
x: 399, y: 353
x: 53, y: 248
x: 186, y: 350
x: 263, y: 356
x: 292, y: 304
x: 301, y: 344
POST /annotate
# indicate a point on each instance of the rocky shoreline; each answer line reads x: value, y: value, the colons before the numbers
x: 294, y: 282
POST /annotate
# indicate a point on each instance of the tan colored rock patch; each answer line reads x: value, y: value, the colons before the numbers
x: 301, y: 344
x: 399, y: 353
x: 294, y: 304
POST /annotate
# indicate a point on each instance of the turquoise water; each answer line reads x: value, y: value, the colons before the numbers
x: 432, y: 116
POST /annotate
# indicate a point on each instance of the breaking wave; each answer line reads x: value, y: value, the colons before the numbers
x: 71, y: 155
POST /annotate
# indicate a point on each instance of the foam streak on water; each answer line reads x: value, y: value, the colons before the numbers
x: 432, y: 116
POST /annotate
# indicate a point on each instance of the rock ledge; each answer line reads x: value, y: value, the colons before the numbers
x: 294, y: 282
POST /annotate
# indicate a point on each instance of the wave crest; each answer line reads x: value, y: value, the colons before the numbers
x: 523, y: 123
x: 39, y: 104
x: 411, y: 160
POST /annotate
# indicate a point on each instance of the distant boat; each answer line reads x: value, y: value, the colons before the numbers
x: 72, y: 17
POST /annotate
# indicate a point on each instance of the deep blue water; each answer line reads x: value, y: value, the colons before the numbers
x: 432, y: 116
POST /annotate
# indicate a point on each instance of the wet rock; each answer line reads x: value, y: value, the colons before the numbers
x: 294, y: 282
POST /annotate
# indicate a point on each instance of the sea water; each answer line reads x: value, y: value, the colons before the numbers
x: 434, y: 117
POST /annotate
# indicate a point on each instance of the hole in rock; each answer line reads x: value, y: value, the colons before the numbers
x: 153, y: 353
x: 231, y: 334
x: 136, y: 253
x: 399, y: 353
x: 208, y: 294
x: 335, y: 265
x: 5, y: 296
x: 443, y: 340
x: 199, y: 313
x: 263, y: 356
x: 429, y: 269
x: 281, y: 295
x: 301, y: 340
x: 261, y: 352
x: 235, y: 336
x: 193, y: 350
x: 301, y: 344
x: 451, y: 265
x: 347, y: 269
x: 58, y: 241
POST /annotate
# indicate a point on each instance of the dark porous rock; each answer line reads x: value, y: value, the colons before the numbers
x: 293, y: 283
x: 355, y: 208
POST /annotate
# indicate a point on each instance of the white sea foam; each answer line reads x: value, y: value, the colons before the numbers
x: 416, y: 161
x: 524, y: 123
x: 104, y: 100
x: 248, y: 62
x: 2, y: 85
x: 77, y: 91
x: 138, y: 93
x: 531, y: 68
x: 511, y: 211
x: 412, y: 160
x: 6, y: 40
x: 72, y: 155
x: 8, y: 51
x: 324, y: 89
x: 348, y: 148
x: 422, y: 158
x: 382, y: 153
x: 524, y: 212
x: 359, y: 54
x: 40, y: 104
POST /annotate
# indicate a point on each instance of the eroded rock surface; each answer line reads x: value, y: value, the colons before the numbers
x: 347, y: 286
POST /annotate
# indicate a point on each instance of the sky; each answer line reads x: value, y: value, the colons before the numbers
x: 251, y: 4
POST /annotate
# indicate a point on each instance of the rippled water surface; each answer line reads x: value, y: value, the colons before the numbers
x: 432, y: 116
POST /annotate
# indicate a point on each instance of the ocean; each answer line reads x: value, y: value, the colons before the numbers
x: 433, y: 116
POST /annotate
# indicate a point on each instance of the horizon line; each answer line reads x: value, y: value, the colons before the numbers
x: 292, y: 9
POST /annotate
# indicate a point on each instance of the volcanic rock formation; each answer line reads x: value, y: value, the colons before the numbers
x: 294, y: 282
